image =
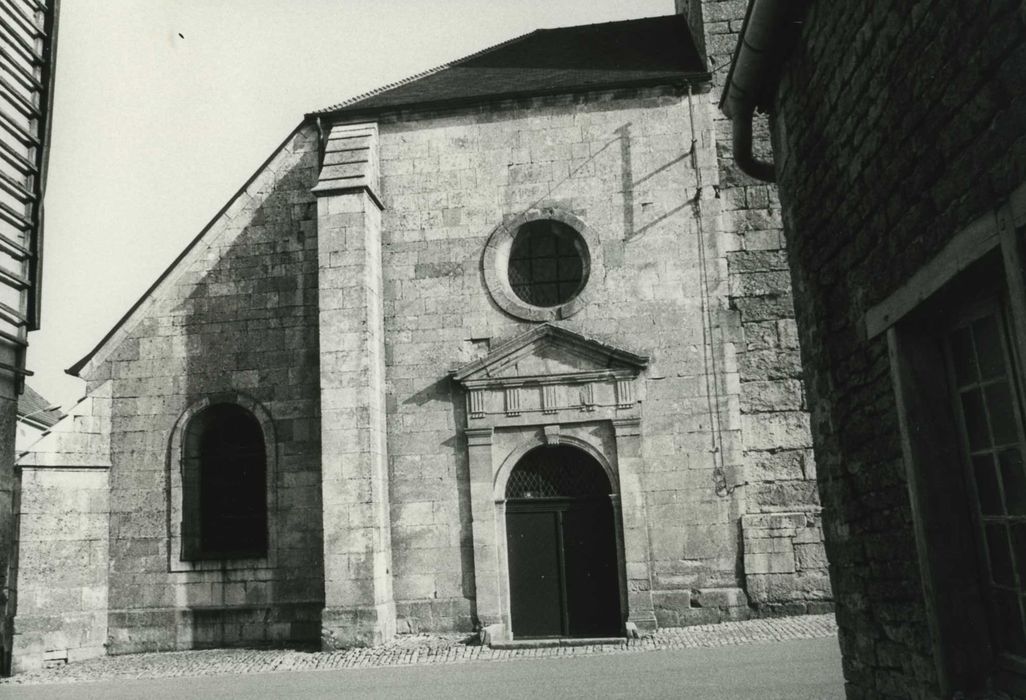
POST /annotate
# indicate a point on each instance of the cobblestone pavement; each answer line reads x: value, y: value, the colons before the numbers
x: 411, y: 649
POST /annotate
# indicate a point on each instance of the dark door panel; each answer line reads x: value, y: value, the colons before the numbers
x: 534, y: 564
x: 592, y: 590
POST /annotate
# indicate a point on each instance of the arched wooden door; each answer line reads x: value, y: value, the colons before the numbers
x: 563, y: 570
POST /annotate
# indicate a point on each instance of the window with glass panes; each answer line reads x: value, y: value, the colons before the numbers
x: 989, y: 413
x: 546, y: 267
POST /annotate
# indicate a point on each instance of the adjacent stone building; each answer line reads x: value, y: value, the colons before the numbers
x: 900, y: 153
x: 498, y: 347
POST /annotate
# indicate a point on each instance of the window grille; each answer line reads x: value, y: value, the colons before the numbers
x: 557, y: 472
x: 546, y: 267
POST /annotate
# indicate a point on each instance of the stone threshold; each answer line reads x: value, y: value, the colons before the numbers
x: 549, y: 642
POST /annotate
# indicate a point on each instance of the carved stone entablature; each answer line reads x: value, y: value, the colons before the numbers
x: 551, y: 371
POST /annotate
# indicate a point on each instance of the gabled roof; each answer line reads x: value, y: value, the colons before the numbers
x: 653, y: 51
x: 33, y: 406
x: 598, y: 357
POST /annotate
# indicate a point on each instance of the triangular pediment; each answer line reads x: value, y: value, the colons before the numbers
x: 548, y: 352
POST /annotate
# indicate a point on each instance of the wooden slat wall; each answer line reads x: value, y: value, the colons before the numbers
x: 28, y: 30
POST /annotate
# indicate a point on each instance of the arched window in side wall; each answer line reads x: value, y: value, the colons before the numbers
x: 224, y: 485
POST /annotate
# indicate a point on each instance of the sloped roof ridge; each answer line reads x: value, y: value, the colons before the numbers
x: 608, y: 21
x: 423, y: 74
x: 190, y: 246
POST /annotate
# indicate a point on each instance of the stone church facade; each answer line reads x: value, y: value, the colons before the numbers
x: 503, y: 324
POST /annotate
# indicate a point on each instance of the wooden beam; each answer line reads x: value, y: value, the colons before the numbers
x: 965, y: 248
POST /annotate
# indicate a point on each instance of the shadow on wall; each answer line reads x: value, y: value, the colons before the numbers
x: 628, y: 184
x: 251, y: 326
x: 442, y: 615
x: 247, y: 326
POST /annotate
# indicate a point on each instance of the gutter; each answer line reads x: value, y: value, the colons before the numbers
x: 768, y: 31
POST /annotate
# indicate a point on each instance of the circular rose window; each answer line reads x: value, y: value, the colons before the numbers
x: 537, y: 265
x: 547, y: 263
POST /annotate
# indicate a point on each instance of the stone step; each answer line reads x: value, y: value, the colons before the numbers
x: 548, y: 642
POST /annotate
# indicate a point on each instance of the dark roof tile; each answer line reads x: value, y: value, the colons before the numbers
x: 656, y: 50
x: 33, y: 405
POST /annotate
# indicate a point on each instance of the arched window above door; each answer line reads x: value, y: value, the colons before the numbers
x: 557, y: 471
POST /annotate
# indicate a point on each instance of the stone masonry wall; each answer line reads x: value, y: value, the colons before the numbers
x: 237, y: 317
x: 447, y: 181
x: 358, y: 601
x: 779, y: 477
x: 622, y: 164
x: 896, y: 125
x: 63, y: 547
x: 64, y: 512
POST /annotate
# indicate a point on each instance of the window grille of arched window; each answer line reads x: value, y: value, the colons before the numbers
x: 224, y: 485
x: 557, y: 472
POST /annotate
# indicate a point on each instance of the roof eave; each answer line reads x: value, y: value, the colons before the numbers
x: 39, y: 425
x: 355, y: 111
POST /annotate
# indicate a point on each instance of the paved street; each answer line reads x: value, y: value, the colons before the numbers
x: 795, y: 670
x: 779, y: 658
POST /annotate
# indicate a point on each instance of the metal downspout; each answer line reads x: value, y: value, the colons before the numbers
x: 750, y: 75
x: 743, y: 156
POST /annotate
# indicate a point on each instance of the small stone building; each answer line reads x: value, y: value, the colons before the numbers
x: 505, y: 346
x: 900, y: 154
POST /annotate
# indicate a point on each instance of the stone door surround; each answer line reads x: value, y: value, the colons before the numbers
x: 553, y: 386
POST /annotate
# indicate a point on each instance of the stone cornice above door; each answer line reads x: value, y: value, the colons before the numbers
x: 550, y: 373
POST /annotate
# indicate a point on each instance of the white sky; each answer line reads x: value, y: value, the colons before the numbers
x: 164, y: 107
